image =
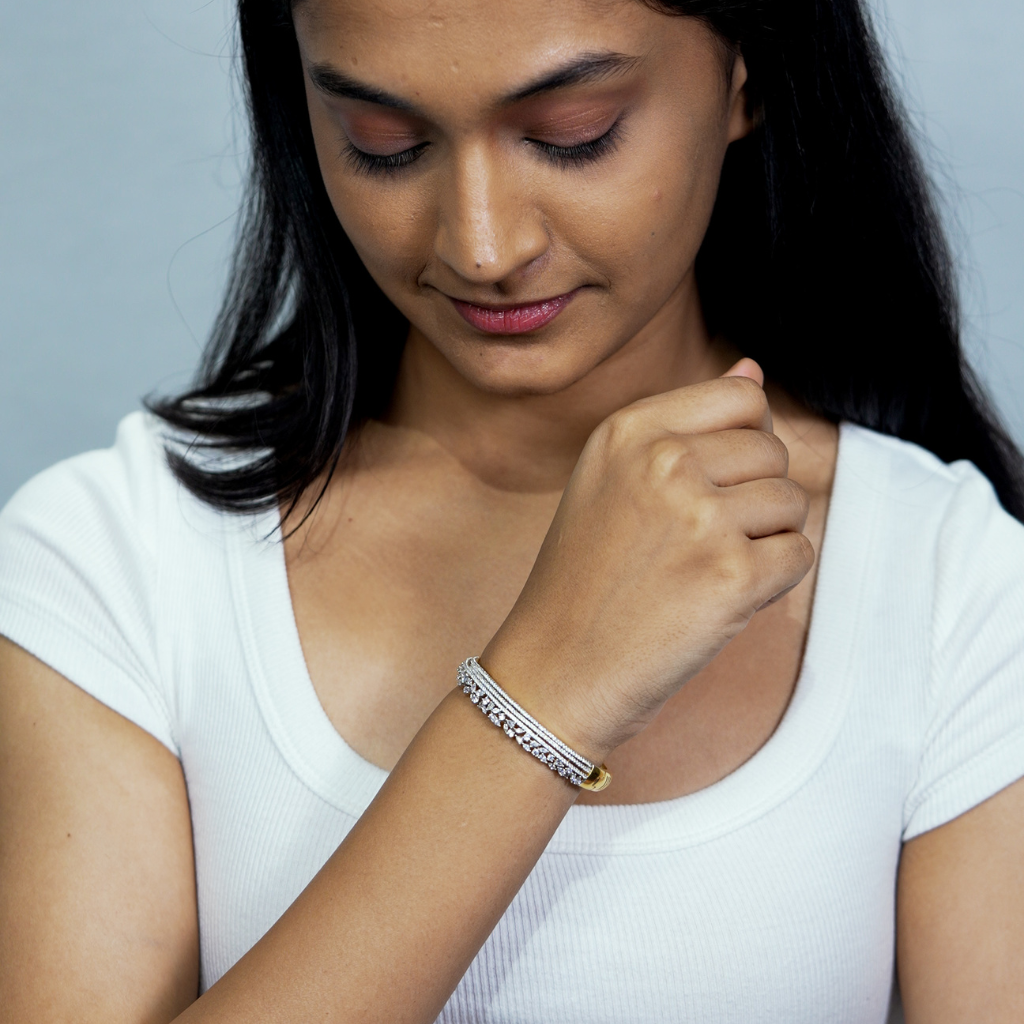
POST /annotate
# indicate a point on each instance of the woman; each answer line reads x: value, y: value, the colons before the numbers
x: 485, y: 383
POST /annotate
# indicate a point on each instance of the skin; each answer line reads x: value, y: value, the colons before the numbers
x: 560, y: 501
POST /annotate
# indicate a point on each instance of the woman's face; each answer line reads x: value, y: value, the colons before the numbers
x: 486, y: 156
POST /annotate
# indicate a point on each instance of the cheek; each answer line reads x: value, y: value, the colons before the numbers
x: 389, y: 233
x: 641, y: 228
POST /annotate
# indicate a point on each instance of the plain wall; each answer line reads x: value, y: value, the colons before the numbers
x: 121, y: 153
x: 119, y: 181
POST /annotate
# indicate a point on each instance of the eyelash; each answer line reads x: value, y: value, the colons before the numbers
x: 583, y: 152
x: 371, y: 163
x: 564, y: 156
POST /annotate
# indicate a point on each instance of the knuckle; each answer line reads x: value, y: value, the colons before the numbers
x: 737, y: 567
x: 664, y: 456
x: 705, y: 516
x: 785, y: 495
x: 767, y: 455
x: 759, y: 403
x: 805, y: 551
x: 775, y: 452
x: 794, y: 559
x: 695, y: 522
x: 750, y: 393
x: 795, y: 494
x: 622, y: 427
x: 805, y: 504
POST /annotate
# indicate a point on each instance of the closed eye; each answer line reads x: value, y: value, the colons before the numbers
x: 580, y: 153
x: 374, y: 163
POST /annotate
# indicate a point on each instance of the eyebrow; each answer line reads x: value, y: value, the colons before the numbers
x: 584, y: 69
x: 587, y: 68
x: 335, y: 83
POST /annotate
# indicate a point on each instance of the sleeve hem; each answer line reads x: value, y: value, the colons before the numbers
x: 972, y: 784
x: 82, y: 664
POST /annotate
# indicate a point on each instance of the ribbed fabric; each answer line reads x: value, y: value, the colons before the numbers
x: 766, y: 897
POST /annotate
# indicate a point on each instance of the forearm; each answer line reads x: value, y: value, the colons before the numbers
x: 390, y: 924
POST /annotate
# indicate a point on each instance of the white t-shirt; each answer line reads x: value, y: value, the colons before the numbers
x: 768, y: 896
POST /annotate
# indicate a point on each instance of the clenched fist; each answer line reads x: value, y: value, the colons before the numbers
x: 678, y: 523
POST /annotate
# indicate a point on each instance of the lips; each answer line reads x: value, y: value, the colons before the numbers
x: 519, y: 319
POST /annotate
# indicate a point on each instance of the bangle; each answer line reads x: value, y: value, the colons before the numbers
x: 522, y: 727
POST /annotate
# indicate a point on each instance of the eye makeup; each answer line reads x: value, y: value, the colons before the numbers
x: 567, y: 131
x: 580, y: 153
x: 378, y: 129
x: 573, y: 134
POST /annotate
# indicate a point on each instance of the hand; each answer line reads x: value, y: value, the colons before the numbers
x: 678, y: 523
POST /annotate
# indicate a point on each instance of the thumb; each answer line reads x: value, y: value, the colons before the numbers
x: 746, y: 368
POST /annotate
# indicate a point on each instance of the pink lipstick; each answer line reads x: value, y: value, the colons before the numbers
x: 529, y: 316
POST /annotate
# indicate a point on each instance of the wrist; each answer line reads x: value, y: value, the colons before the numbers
x: 553, y: 697
x: 505, y: 712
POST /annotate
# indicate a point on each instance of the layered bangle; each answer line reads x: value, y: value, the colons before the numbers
x: 522, y: 727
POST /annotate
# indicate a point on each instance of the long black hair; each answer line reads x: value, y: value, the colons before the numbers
x: 824, y: 260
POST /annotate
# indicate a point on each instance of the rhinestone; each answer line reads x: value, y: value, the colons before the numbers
x: 474, y: 698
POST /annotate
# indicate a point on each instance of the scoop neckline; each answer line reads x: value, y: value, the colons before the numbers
x: 318, y: 754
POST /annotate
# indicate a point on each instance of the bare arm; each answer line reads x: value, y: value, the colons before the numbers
x: 960, y: 917
x: 97, y: 905
x: 677, y: 525
x: 97, y: 890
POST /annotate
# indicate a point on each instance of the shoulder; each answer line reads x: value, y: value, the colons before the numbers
x: 122, y: 484
x: 82, y: 549
x: 908, y: 471
x: 938, y: 534
x: 943, y: 567
x: 916, y: 496
x: 948, y: 550
x: 127, y: 492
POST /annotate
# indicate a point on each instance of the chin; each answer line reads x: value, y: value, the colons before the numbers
x: 519, y: 369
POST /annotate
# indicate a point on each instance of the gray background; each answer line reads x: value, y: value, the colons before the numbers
x: 122, y: 148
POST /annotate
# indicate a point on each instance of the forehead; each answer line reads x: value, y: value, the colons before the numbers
x: 471, y: 17
x: 489, y: 44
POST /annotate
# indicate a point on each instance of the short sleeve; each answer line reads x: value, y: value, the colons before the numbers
x: 974, y: 744
x: 78, y: 574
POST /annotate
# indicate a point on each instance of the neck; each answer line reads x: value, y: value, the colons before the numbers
x: 532, y: 441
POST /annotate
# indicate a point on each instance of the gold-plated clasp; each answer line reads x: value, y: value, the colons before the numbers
x: 597, y: 780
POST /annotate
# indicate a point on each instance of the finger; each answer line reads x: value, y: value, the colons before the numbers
x: 761, y: 508
x: 725, y: 403
x: 746, y: 367
x: 731, y: 457
x: 782, y: 560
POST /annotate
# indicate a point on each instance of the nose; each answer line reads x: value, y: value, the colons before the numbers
x: 486, y: 228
